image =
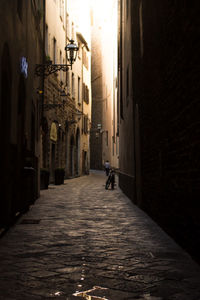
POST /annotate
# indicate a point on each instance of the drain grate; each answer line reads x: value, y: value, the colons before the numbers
x: 30, y: 221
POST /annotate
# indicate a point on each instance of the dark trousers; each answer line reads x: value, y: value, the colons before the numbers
x: 107, y: 171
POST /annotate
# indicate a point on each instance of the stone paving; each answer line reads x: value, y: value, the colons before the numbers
x: 80, y: 241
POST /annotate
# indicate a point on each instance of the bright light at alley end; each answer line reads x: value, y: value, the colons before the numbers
x: 71, y: 50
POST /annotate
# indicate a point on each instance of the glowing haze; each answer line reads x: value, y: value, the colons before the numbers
x: 81, y: 11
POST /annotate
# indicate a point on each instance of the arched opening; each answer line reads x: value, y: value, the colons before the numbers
x: 71, y: 160
x: 78, y: 151
x: 7, y: 154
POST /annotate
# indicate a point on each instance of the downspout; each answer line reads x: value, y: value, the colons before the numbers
x: 43, y: 57
x: 82, y: 90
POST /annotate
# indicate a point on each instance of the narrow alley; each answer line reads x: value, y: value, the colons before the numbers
x: 81, y: 241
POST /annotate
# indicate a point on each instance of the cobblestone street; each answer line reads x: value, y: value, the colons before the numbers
x: 80, y: 241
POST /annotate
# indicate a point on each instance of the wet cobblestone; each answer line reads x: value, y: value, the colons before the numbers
x: 80, y: 241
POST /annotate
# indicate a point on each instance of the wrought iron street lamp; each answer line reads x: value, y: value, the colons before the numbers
x: 48, y: 68
x: 71, y: 50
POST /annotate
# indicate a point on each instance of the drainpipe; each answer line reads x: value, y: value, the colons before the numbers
x: 43, y: 56
x: 82, y: 90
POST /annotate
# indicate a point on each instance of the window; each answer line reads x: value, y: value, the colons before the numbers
x: 73, y: 86
x: 46, y: 40
x: 85, y: 93
x: 79, y: 90
x: 54, y: 51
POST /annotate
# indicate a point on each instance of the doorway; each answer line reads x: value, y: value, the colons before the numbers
x: 72, y: 146
x: 53, y: 158
x: 78, y: 152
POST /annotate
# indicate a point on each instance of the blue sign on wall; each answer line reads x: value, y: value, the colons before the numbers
x: 24, y: 66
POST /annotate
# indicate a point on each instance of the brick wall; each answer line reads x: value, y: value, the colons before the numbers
x: 167, y: 91
x: 170, y: 123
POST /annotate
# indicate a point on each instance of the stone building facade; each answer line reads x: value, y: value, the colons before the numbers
x: 67, y: 97
x: 79, y: 88
x: 158, y: 81
x: 104, y: 130
x: 20, y: 50
x: 54, y: 105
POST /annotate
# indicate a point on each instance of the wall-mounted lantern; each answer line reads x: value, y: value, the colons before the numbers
x: 49, y: 68
x: 71, y: 50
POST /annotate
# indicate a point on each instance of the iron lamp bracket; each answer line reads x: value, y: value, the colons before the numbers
x: 48, y: 69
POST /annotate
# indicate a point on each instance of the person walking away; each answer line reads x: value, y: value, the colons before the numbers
x: 107, y: 167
